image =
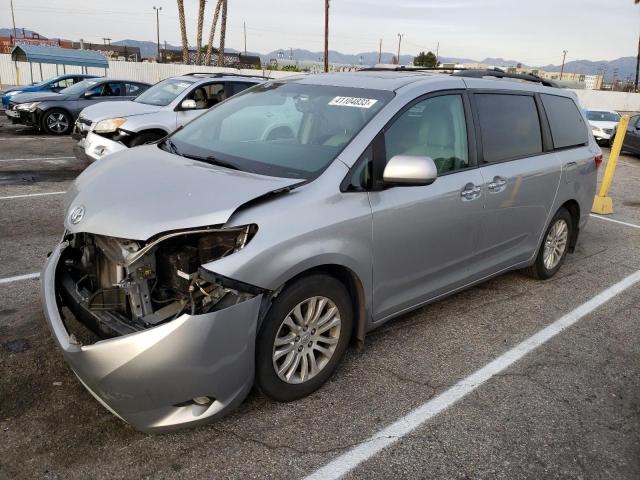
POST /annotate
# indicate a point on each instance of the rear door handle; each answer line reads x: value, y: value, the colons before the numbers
x: 497, y: 184
x: 470, y: 191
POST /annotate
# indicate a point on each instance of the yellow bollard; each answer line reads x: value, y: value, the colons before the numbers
x: 603, y: 204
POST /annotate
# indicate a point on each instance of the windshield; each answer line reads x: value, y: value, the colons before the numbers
x: 280, y: 129
x: 603, y: 116
x: 163, y: 93
x: 78, y: 87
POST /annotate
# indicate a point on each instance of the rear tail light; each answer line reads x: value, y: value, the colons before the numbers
x: 598, y: 161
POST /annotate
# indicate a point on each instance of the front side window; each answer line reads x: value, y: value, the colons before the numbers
x: 60, y: 84
x: 435, y: 128
x: 208, y: 95
x: 164, y: 92
x: 108, y: 89
x: 509, y: 126
x: 285, y: 129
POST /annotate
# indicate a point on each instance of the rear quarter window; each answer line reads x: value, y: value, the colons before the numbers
x: 509, y: 126
x: 568, y: 127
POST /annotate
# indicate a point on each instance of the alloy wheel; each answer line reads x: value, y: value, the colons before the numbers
x: 57, y: 122
x: 306, y: 340
x: 555, y: 244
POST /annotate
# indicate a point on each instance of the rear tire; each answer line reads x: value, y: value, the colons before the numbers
x: 554, y: 248
x: 145, y: 138
x: 292, y: 340
x: 56, y: 122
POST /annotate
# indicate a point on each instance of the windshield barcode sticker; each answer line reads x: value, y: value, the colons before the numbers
x: 353, y: 102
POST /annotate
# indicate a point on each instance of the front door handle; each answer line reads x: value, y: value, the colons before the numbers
x: 470, y: 191
x: 497, y: 184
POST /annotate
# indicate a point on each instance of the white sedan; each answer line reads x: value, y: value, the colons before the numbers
x: 602, y: 123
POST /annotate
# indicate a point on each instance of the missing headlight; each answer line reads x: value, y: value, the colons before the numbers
x: 121, y: 286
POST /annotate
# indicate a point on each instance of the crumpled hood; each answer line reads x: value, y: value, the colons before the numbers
x: 124, y: 108
x: 38, y: 97
x: 601, y: 124
x: 141, y: 192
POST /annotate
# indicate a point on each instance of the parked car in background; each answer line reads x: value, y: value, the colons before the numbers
x: 55, y: 113
x: 52, y: 85
x: 631, y: 142
x: 226, y: 255
x: 602, y: 123
x: 106, y: 128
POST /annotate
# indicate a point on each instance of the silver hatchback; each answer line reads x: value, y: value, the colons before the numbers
x: 244, y: 249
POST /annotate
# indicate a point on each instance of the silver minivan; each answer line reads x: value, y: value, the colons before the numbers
x: 223, y: 257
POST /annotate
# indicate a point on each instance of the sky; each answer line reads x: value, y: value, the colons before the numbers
x: 534, y: 32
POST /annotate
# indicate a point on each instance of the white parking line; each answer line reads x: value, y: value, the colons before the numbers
x: 31, y: 195
x: 19, y: 278
x: 33, y: 159
x: 600, y: 217
x: 405, y: 425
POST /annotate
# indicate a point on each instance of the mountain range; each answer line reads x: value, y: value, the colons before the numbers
x: 622, y: 68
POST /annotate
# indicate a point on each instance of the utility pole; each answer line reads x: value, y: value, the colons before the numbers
x: 106, y: 41
x: 13, y: 17
x: 438, y: 54
x: 326, y: 35
x: 380, y: 52
x: 564, y: 57
x: 244, y: 26
x: 635, y: 85
x: 157, y: 9
x: 400, y: 35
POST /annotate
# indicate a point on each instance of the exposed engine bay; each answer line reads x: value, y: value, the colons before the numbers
x: 116, y: 286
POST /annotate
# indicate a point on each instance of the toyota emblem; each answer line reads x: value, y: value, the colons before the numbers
x: 77, y: 214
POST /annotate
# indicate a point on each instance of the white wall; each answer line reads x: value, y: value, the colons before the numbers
x: 144, y: 72
x: 154, y: 72
x: 620, y: 101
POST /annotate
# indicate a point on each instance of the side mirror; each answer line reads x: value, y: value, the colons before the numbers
x: 410, y: 170
x: 188, y: 105
x: 88, y: 94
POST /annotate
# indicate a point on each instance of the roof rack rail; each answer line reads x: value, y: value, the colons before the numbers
x: 469, y: 73
x: 403, y: 68
x: 527, y: 77
x: 222, y: 74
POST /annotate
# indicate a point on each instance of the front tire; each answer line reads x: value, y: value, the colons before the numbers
x: 303, y: 338
x: 555, y: 246
x: 56, y: 122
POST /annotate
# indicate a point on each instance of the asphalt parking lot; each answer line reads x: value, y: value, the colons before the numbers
x: 568, y: 409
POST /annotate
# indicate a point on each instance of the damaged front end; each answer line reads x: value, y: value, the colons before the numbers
x: 157, y: 339
x: 117, y: 287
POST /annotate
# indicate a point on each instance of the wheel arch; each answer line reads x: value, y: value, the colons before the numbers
x: 354, y: 286
x: 157, y: 130
x: 49, y: 108
x: 573, y: 207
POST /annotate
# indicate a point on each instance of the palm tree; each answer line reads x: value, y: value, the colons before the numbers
x: 216, y: 14
x: 199, y: 34
x: 223, y: 32
x: 183, y: 33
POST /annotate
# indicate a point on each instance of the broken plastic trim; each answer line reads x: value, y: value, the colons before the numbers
x: 231, y: 284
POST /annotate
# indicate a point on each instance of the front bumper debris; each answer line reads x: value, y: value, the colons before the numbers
x: 94, y: 147
x: 149, y: 378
